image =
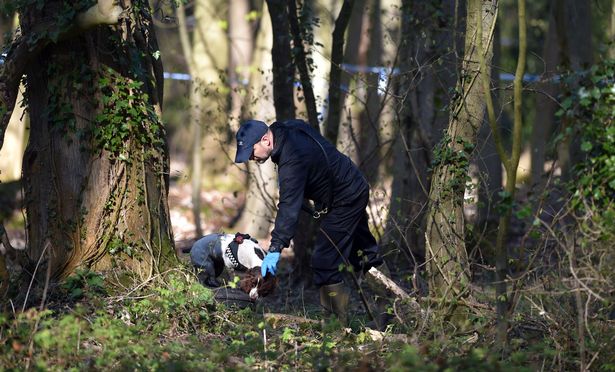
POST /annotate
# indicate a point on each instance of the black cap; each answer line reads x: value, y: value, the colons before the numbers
x: 249, y: 133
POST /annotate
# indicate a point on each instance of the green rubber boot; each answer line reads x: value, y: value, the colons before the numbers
x: 334, y: 298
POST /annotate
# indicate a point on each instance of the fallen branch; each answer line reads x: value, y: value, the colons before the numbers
x: 388, y: 284
x: 401, y: 296
x: 376, y: 335
x: 292, y: 319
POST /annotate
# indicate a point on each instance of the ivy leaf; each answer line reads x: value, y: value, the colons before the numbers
x: 586, y: 146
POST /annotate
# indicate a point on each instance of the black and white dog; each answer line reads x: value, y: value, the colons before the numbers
x: 215, y: 252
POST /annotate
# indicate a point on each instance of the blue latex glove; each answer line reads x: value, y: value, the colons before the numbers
x: 270, y: 263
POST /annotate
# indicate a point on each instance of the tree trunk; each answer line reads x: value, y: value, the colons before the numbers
x: 319, y: 53
x: 413, y: 142
x: 300, y: 58
x: 578, y: 48
x: 196, y: 115
x: 241, y: 49
x: 6, y: 23
x: 195, y: 119
x: 511, y: 164
x: 96, y: 165
x: 369, y: 118
x: 208, y: 101
x: 545, y: 98
x: 448, y: 261
x: 261, y: 199
x: 351, y: 83
x: 12, y: 151
x: 415, y: 135
x: 306, y: 232
x: 489, y: 163
x: 611, y: 31
x: 335, y: 90
x: 283, y: 69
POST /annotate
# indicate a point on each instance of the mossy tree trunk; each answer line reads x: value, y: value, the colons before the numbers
x: 448, y: 269
x: 96, y: 165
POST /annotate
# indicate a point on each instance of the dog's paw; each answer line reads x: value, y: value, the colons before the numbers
x: 212, y: 282
x: 207, y: 280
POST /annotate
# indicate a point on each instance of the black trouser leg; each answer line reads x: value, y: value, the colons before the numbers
x: 344, y: 239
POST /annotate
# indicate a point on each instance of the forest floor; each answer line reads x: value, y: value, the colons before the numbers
x: 174, y: 323
x: 220, y: 209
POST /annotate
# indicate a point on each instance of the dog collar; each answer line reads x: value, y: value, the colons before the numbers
x: 231, y: 253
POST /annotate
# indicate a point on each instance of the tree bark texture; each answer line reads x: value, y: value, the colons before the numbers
x: 425, y: 40
x: 448, y: 269
x: 511, y: 163
x: 283, y: 81
x: 258, y: 213
x: 611, y: 31
x: 300, y: 58
x: 337, y: 54
x: 283, y: 68
x: 351, y: 82
x: 96, y: 164
x: 545, y: 99
x: 369, y: 144
x: 203, y: 47
x: 241, y: 50
x: 578, y: 47
x: 489, y: 163
x: 195, y: 118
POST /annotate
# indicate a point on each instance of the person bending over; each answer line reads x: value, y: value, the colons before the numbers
x: 310, y: 167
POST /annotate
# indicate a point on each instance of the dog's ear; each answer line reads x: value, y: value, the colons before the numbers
x: 267, y: 285
x: 253, y: 278
x: 250, y: 279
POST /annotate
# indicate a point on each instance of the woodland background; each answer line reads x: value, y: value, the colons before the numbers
x: 484, y: 127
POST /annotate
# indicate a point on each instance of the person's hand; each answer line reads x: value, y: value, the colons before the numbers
x: 270, y: 263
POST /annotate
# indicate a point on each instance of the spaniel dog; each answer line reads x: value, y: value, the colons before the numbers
x: 213, y: 253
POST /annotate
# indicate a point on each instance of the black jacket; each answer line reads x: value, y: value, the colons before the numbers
x: 303, y: 173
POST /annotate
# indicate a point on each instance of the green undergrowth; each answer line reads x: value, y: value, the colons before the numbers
x: 173, y: 323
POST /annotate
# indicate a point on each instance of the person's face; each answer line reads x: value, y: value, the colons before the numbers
x: 262, y: 150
